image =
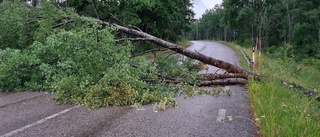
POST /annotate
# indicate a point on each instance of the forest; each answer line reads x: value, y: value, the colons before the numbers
x: 287, y: 25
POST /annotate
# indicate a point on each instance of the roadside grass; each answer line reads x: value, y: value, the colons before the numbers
x: 279, y: 110
x: 184, y: 43
x: 236, y: 48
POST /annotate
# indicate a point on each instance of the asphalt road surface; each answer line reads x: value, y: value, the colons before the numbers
x: 33, y: 114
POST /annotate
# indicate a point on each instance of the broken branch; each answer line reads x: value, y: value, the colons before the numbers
x: 148, y: 51
x: 133, y: 39
x: 224, y: 82
x: 205, y: 83
x: 210, y: 76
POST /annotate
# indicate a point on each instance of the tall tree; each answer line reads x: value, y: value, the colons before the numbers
x: 166, y: 19
x: 292, y: 22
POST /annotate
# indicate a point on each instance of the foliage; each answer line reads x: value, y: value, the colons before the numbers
x: 215, y: 91
x: 19, y: 71
x: 92, y: 70
x: 168, y: 67
x: 164, y: 19
x: 17, y: 25
x: 85, y: 52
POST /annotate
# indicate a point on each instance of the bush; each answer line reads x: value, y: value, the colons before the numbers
x: 87, y: 67
x: 19, y: 71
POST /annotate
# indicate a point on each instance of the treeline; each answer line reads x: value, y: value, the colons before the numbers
x: 165, y: 19
x: 293, y: 23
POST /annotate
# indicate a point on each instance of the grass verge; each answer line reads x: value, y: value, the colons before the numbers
x: 279, y: 110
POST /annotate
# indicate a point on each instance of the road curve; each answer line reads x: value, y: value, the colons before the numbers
x: 27, y: 114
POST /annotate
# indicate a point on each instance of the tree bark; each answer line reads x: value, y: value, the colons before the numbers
x: 289, y: 23
x: 211, y: 76
x: 224, y: 82
x: 205, y: 83
x: 194, y: 55
x: 319, y: 37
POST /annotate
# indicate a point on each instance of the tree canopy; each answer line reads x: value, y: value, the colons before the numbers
x: 164, y: 18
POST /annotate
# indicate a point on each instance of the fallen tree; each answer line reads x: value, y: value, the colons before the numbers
x: 230, y: 68
x: 219, y: 82
x: 211, y: 76
x: 233, y: 70
x: 210, y: 79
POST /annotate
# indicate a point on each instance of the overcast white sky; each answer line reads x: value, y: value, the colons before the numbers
x: 200, y: 6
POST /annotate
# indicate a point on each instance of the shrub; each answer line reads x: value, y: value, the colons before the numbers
x: 19, y: 71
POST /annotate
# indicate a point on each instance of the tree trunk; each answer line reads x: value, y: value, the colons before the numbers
x: 319, y: 37
x: 197, y: 33
x: 289, y: 24
x: 205, y: 83
x: 211, y: 76
x: 194, y: 55
x: 225, y: 33
x: 224, y: 82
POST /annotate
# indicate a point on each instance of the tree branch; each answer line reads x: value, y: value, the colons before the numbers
x: 62, y: 24
x: 148, y: 51
x: 95, y: 9
x: 224, y: 82
x: 133, y: 39
x: 205, y: 83
x: 211, y: 76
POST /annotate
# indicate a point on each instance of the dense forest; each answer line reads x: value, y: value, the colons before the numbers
x: 286, y: 25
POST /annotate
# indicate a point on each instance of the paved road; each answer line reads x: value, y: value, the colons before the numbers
x: 33, y: 114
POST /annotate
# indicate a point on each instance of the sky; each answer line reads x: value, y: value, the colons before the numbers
x: 200, y: 6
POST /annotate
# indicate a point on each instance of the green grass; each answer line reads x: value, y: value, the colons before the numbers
x: 184, y: 43
x: 279, y: 110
